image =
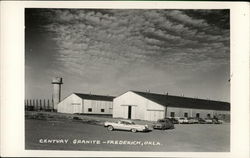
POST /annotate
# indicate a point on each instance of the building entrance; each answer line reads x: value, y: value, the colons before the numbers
x: 197, y: 115
x: 129, y: 112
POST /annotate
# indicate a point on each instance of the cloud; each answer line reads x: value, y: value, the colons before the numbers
x: 183, y: 18
x: 95, y: 39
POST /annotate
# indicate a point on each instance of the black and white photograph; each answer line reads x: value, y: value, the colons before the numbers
x: 124, y: 79
x: 127, y: 79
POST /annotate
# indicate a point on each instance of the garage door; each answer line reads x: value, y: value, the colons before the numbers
x: 154, y: 115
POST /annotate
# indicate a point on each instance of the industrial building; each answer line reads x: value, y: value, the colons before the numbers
x: 137, y: 105
x: 86, y: 104
x: 152, y: 106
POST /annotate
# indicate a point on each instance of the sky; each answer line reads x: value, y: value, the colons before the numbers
x: 111, y: 51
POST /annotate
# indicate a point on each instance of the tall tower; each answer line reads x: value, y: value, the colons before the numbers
x: 56, y: 96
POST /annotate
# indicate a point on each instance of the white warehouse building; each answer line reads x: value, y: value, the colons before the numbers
x: 152, y: 106
x: 86, y: 104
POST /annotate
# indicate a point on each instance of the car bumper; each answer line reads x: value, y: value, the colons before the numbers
x: 143, y: 130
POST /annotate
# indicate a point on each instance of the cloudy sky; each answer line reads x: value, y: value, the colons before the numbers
x: 109, y: 52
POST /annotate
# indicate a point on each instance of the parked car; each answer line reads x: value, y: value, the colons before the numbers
x: 163, y: 124
x: 196, y: 120
x: 173, y: 120
x: 220, y: 121
x: 192, y: 120
x: 201, y: 121
x: 208, y: 120
x: 182, y: 120
x: 217, y: 121
x: 126, y: 125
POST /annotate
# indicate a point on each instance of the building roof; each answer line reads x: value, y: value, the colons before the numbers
x: 184, y: 102
x: 95, y: 97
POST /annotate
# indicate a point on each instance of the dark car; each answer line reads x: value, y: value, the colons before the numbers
x: 173, y: 120
x: 163, y: 124
x: 201, y: 121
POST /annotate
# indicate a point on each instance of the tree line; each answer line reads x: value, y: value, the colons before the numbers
x: 38, y: 104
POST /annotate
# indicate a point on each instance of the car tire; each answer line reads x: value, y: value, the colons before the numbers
x: 133, y: 130
x: 110, y: 128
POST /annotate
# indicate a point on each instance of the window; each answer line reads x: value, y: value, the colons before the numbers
x: 89, y: 109
x: 185, y: 114
x: 197, y: 115
x: 208, y: 115
x: 172, y: 114
x: 102, y: 110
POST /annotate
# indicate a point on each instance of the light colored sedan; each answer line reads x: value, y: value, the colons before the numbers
x: 192, y: 120
x: 208, y: 120
x: 125, y: 125
x: 182, y: 120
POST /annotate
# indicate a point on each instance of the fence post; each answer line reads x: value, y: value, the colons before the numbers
x: 34, y: 104
x: 37, y: 105
x: 48, y: 105
x: 31, y: 104
x: 44, y: 105
x: 40, y: 104
x: 52, y: 109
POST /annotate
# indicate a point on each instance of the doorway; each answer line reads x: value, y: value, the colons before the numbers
x: 185, y: 114
x: 129, y: 112
x: 197, y: 115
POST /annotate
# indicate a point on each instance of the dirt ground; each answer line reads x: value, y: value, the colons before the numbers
x: 48, y: 132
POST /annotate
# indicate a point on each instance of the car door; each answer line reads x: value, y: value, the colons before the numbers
x: 122, y: 125
x: 118, y: 125
x: 127, y: 126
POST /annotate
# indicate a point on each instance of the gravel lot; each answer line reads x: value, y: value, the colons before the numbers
x: 66, y: 134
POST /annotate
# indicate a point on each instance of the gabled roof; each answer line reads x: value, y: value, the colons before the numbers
x: 184, y: 102
x: 95, y: 97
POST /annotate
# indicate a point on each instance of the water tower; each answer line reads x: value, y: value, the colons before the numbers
x: 56, y: 96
